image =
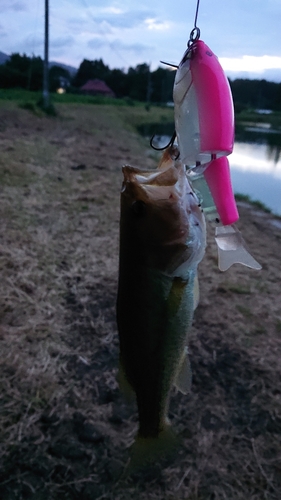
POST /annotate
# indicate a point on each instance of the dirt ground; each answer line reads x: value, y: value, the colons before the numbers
x: 65, y: 428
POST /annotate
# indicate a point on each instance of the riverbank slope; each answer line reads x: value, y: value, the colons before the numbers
x: 65, y: 428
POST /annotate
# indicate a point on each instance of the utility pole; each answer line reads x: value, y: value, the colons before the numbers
x: 46, y: 95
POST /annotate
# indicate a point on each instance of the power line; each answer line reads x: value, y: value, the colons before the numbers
x: 33, y: 45
x: 46, y: 96
x: 102, y: 32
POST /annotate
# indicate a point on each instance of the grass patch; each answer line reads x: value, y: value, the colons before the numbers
x: 255, y: 203
x: 241, y: 290
x: 244, y: 310
x: 278, y: 326
x: 249, y: 115
x: 65, y: 429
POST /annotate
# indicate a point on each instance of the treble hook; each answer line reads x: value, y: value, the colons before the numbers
x: 170, y: 143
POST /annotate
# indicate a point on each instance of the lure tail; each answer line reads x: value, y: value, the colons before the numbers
x: 232, y: 249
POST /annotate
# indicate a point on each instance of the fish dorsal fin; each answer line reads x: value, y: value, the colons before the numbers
x: 184, y: 375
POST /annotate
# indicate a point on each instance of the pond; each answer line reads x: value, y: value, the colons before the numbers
x: 255, y: 162
x: 256, y: 165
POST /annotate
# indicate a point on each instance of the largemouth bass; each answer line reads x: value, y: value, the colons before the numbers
x: 162, y: 241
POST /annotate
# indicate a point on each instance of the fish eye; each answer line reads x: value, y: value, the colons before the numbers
x: 139, y: 207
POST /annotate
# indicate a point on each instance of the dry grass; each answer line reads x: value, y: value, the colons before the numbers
x: 64, y: 427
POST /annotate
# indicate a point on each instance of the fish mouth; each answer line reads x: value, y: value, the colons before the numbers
x: 167, y: 183
x: 162, y: 217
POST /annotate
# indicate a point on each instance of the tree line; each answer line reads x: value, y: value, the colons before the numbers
x: 138, y: 83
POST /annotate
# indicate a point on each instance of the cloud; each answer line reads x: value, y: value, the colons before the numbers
x: 253, y: 64
x: 153, y: 24
x: 118, y: 18
x: 31, y: 43
x: 61, y: 41
x: 77, y: 22
x: 133, y: 47
x: 2, y: 31
x: 113, y: 10
x: 97, y: 43
x: 17, y: 5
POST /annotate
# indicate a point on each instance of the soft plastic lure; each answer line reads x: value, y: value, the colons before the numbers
x: 204, y: 122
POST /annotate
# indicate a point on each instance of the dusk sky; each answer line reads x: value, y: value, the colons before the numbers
x: 244, y: 34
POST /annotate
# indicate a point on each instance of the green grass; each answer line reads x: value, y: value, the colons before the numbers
x: 278, y: 326
x: 26, y: 96
x: 244, y: 310
x: 19, y: 95
x: 241, y: 290
x: 256, y: 203
x: 250, y: 115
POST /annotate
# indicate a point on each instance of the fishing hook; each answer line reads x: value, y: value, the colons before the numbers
x: 170, y: 143
x: 173, y: 149
x: 170, y: 64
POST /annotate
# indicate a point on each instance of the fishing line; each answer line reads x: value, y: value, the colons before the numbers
x: 30, y: 71
x: 196, y: 14
x: 193, y: 37
x: 195, y: 32
x: 102, y: 32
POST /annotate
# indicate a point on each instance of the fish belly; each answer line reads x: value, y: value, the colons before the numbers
x: 154, y: 314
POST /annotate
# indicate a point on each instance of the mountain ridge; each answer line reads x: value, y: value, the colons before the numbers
x: 72, y: 70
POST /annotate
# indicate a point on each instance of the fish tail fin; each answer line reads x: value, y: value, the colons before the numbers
x: 147, y: 450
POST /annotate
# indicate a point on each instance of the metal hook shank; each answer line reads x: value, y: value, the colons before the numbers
x: 170, y: 143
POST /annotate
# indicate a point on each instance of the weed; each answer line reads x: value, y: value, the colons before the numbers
x: 259, y: 330
x: 278, y: 326
x: 239, y: 289
x: 244, y: 310
x: 255, y: 203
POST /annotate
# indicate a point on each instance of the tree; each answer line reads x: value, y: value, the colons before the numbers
x: 22, y: 71
x: 254, y: 93
x: 138, y: 81
x: 58, y: 77
x: 89, y: 70
x: 162, y: 85
x: 118, y: 82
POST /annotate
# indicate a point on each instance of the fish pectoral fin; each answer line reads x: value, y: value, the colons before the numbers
x: 124, y: 384
x: 196, y: 292
x: 184, y: 375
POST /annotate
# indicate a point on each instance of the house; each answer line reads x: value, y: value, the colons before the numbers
x: 97, y: 87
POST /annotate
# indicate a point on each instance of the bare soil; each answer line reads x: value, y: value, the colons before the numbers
x: 65, y: 428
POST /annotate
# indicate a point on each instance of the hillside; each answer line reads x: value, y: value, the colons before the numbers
x: 3, y: 57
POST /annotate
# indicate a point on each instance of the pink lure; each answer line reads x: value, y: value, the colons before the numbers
x: 217, y: 176
x: 204, y: 121
x: 204, y: 116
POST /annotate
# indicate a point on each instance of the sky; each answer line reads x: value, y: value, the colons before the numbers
x: 244, y: 34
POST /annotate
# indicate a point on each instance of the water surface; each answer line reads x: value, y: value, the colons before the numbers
x: 256, y: 165
x: 255, y: 162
